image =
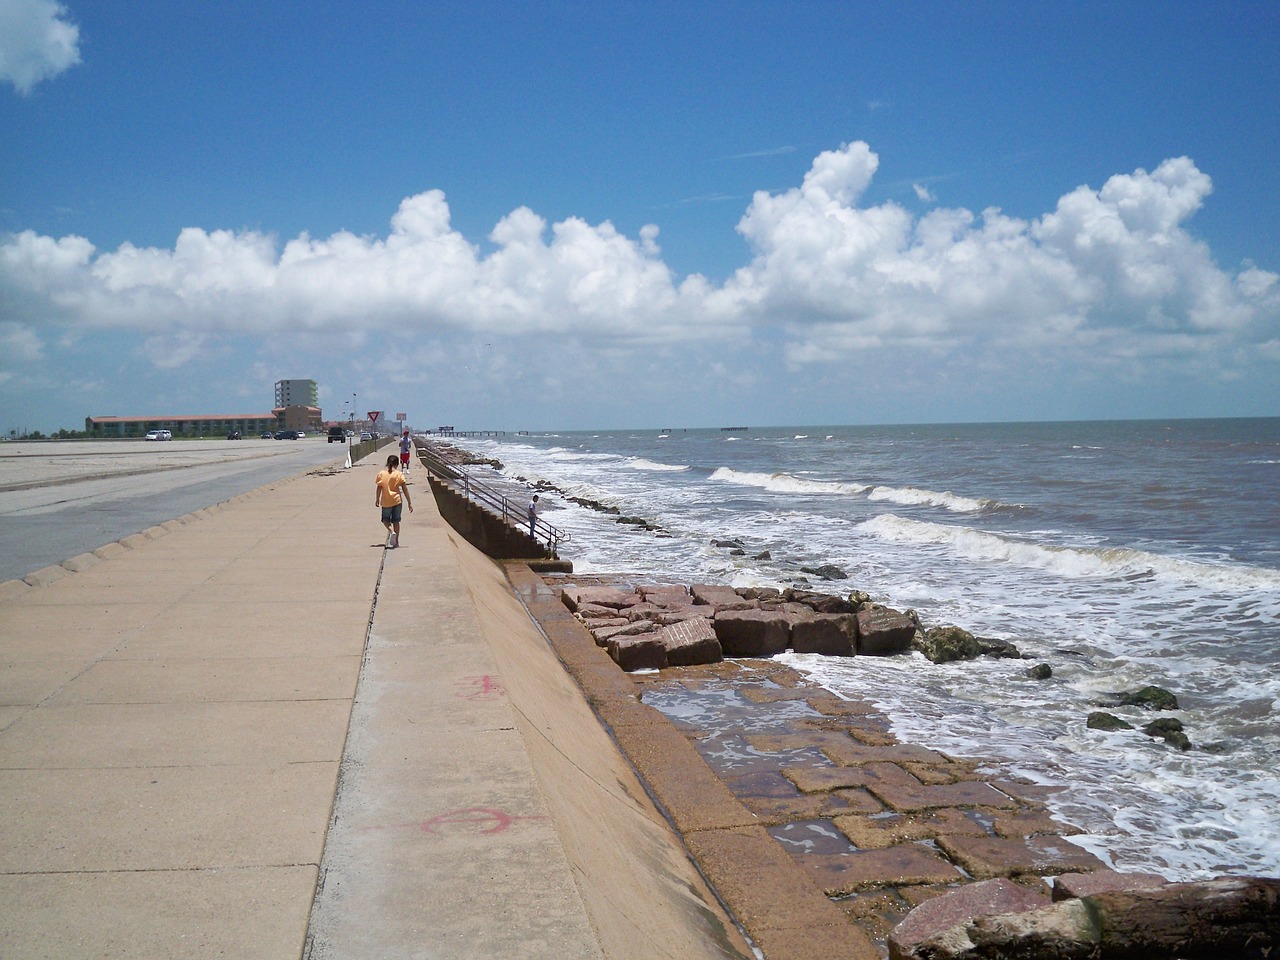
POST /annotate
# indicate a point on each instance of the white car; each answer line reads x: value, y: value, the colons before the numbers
x: 159, y: 435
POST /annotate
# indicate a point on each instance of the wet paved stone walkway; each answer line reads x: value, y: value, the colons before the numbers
x: 876, y: 826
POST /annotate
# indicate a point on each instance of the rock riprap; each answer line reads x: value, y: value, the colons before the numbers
x: 652, y: 627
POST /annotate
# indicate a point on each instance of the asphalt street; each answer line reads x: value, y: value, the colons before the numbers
x: 59, y: 500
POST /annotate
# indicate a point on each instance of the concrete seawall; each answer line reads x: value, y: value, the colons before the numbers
x: 391, y: 764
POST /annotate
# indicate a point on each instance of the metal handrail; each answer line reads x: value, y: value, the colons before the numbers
x: 508, y: 509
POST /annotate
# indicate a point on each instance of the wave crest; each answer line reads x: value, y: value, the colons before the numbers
x: 912, y: 496
x: 1073, y: 562
x: 787, y: 483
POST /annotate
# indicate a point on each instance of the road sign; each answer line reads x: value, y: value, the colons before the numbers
x: 402, y: 416
x: 373, y: 415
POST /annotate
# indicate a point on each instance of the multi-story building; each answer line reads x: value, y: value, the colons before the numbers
x: 201, y: 425
x: 296, y: 408
x: 296, y: 393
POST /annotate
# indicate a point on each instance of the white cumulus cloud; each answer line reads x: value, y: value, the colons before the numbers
x: 1109, y: 275
x: 37, y: 42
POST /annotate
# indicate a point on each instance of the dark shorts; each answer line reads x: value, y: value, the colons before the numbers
x: 391, y: 514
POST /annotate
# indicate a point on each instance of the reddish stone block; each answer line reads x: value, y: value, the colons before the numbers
x: 986, y: 857
x: 901, y: 865
x: 871, y: 775
x: 720, y: 597
x: 666, y: 596
x: 830, y: 634
x: 883, y: 632
x: 602, y: 596
x: 646, y: 652
x: 690, y: 642
x: 915, y: 796
x: 848, y: 752
x: 752, y: 633
x: 877, y: 833
x: 984, y: 899
x: 604, y: 634
x: 1072, y: 886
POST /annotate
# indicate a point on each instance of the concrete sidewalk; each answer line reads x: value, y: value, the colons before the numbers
x: 178, y: 715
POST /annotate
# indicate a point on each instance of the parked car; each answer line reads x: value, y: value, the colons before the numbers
x: 265, y: 435
x: 286, y: 434
x: 337, y: 433
x: 159, y: 435
x: 299, y: 434
x: 233, y: 435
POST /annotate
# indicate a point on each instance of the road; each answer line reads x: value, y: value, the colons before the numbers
x: 61, y: 499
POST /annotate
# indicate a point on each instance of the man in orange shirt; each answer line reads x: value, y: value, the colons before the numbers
x: 391, y: 487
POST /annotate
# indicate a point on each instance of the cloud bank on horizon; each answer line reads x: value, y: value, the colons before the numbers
x: 1110, y: 275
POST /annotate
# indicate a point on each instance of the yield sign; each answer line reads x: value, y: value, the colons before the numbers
x: 373, y: 415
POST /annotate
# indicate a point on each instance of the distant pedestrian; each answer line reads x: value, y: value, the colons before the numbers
x: 391, y: 490
x: 405, y: 446
x: 533, y: 516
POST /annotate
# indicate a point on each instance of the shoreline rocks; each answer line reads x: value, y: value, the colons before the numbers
x: 637, y: 624
x: 1099, y: 915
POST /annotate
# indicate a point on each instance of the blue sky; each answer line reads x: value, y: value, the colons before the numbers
x: 577, y: 215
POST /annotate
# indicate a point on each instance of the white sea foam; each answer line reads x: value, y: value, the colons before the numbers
x: 1073, y: 562
x: 911, y: 496
x: 786, y: 483
x: 640, y: 463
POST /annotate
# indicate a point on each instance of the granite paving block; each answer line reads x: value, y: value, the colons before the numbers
x: 901, y: 865
x: 906, y: 798
x: 880, y: 773
x: 986, y: 857
x: 764, y: 887
x: 1071, y: 886
x: 875, y: 833
x: 849, y: 752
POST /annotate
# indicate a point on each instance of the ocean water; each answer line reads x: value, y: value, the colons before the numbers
x: 1121, y: 553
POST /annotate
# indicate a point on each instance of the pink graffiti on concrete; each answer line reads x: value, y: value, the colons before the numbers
x: 480, y: 820
x: 486, y: 820
x: 484, y: 687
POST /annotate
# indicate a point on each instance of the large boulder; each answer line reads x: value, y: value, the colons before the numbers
x: 574, y: 597
x: 822, y: 602
x: 1237, y: 917
x: 645, y: 652
x: 720, y: 597
x: 691, y: 642
x: 752, y: 633
x: 883, y: 632
x: 830, y: 634
x: 946, y: 644
x: 633, y: 629
x: 985, y: 898
x: 1149, y: 698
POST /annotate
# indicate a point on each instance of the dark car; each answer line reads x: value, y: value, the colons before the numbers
x: 286, y: 434
x: 233, y: 435
x: 266, y: 435
x: 337, y: 433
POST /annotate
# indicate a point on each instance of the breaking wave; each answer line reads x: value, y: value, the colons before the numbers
x: 787, y: 483
x: 1072, y: 562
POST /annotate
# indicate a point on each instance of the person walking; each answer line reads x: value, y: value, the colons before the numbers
x: 405, y: 446
x: 391, y: 490
x: 533, y: 517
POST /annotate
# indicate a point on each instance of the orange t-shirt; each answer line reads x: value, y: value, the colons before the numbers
x: 389, y: 482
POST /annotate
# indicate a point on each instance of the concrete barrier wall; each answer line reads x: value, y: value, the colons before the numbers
x: 490, y: 535
x: 644, y: 897
x: 365, y: 447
